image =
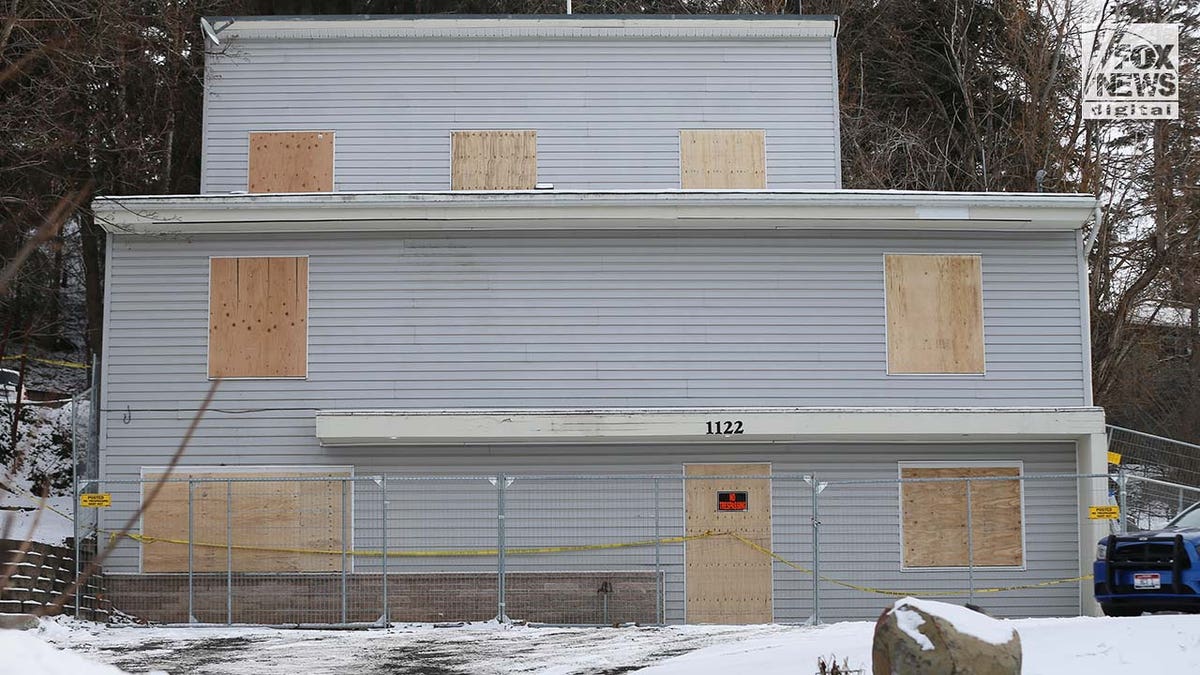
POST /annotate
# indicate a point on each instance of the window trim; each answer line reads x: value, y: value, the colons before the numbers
x: 887, y: 352
x: 1018, y: 464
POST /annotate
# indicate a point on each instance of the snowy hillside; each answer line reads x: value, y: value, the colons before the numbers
x: 41, y: 458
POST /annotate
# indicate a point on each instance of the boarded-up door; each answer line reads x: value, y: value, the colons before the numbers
x: 728, y: 581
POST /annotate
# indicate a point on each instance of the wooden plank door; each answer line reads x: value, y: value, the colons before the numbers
x: 727, y: 581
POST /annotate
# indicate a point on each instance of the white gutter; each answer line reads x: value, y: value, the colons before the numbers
x: 526, y: 26
x: 693, y: 425
x: 615, y: 210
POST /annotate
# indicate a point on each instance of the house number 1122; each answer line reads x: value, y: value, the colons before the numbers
x: 723, y: 427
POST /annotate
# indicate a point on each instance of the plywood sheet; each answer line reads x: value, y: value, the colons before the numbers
x: 935, y: 518
x: 934, y: 314
x: 291, y: 161
x: 714, y: 159
x: 727, y: 581
x: 493, y: 160
x: 296, y: 517
x: 258, y: 317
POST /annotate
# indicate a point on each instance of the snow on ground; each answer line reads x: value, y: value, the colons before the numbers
x: 18, y: 513
x: 22, y: 653
x: 1097, y: 646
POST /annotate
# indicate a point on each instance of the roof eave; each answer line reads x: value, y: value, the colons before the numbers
x: 525, y: 26
x: 617, y: 210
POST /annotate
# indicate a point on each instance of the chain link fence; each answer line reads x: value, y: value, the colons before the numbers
x: 598, y: 549
x: 1149, y: 503
x: 85, y: 462
x: 1151, y: 456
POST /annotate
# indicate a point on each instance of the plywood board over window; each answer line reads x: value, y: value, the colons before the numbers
x: 493, y: 160
x: 291, y: 161
x: 258, y: 317
x: 934, y: 314
x: 934, y: 517
x: 715, y: 159
x: 262, y: 525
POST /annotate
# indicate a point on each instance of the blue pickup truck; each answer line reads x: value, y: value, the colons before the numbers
x: 1154, y: 570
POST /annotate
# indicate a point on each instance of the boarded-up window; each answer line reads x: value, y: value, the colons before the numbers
x: 262, y: 525
x: 934, y: 314
x: 714, y: 159
x: 258, y: 316
x: 934, y: 518
x: 291, y: 161
x: 493, y: 160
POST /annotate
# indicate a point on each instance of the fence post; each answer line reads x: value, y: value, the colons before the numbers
x: 344, y: 533
x: 191, y: 555
x: 501, y: 609
x: 1123, y: 498
x: 816, y: 549
x: 384, y: 498
x: 970, y: 547
x: 75, y: 510
x: 229, y: 552
x: 658, y: 590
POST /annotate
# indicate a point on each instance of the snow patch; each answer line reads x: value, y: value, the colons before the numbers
x: 24, y: 652
x: 967, y: 621
x: 910, y: 622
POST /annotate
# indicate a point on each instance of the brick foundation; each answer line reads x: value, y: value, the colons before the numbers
x: 542, y: 597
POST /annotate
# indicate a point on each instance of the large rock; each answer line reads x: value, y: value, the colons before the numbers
x: 922, y: 637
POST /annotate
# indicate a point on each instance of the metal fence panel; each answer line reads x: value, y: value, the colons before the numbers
x: 1156, y: 457
x: 1149, y: 503
x: 589, y: 550
x: 595, y: 549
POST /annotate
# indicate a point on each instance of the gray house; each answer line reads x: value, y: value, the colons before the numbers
x: 580, y: 250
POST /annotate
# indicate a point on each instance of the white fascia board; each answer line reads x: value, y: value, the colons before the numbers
x: 685, y: 425
x: 607, y: 210
x: 549, y: 26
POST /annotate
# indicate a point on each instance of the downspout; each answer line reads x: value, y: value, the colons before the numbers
x: 1091, y: 240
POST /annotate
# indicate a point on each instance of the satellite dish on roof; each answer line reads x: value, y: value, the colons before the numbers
x: 209, y: 31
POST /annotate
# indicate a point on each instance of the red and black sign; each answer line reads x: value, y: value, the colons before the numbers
x: 731, y: 501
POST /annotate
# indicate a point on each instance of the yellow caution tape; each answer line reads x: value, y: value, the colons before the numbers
x: 143, y: 539
x: 52, y: 362
x: 45, y: 506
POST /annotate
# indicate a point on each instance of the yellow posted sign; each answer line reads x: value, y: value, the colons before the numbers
x: 1104, y: 512
x: 101, y: 500
x: 1114, y: 457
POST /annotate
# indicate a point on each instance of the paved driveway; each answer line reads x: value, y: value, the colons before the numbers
x: 482, y: 649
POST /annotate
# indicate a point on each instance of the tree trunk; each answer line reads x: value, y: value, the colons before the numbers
x: 92, y: 238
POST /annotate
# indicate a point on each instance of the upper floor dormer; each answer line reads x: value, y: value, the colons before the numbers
x: 511, y: 103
